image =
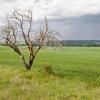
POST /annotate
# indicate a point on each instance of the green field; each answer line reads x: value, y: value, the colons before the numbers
x: 77, y: 75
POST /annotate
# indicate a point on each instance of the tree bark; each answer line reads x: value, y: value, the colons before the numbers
x: 29, y: 64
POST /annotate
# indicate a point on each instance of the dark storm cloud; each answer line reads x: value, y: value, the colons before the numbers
x: 81, y: 27
x: 85, y: 27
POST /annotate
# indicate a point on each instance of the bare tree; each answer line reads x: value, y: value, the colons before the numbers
x: 19, y: 28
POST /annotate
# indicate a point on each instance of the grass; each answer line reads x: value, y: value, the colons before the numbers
x: 77, y: 75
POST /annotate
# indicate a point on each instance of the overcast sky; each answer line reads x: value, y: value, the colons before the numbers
x: 73, y: 19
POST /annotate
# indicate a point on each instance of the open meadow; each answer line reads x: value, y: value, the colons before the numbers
x: 77, y: 75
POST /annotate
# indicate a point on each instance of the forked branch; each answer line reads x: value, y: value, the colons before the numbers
x: 19, y: 28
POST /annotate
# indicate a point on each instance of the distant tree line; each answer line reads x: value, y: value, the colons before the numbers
x: 82, y: 43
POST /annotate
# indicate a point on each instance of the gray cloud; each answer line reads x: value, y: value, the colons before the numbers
x: 8, y: 1
x: 80, y: 27
x: 85, y: 27
x: 62, y: 8
x: 73, y: 19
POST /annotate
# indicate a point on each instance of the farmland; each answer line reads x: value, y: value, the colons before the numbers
x: 77, y: 75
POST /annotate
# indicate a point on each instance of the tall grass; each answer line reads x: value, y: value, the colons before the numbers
x: 77, y: 75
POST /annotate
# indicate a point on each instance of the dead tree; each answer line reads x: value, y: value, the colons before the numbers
x: 19, y: 29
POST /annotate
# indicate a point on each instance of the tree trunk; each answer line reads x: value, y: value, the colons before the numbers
x: 29, y: 64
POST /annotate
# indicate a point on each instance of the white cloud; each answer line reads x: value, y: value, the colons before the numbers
x: 52, y: 8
